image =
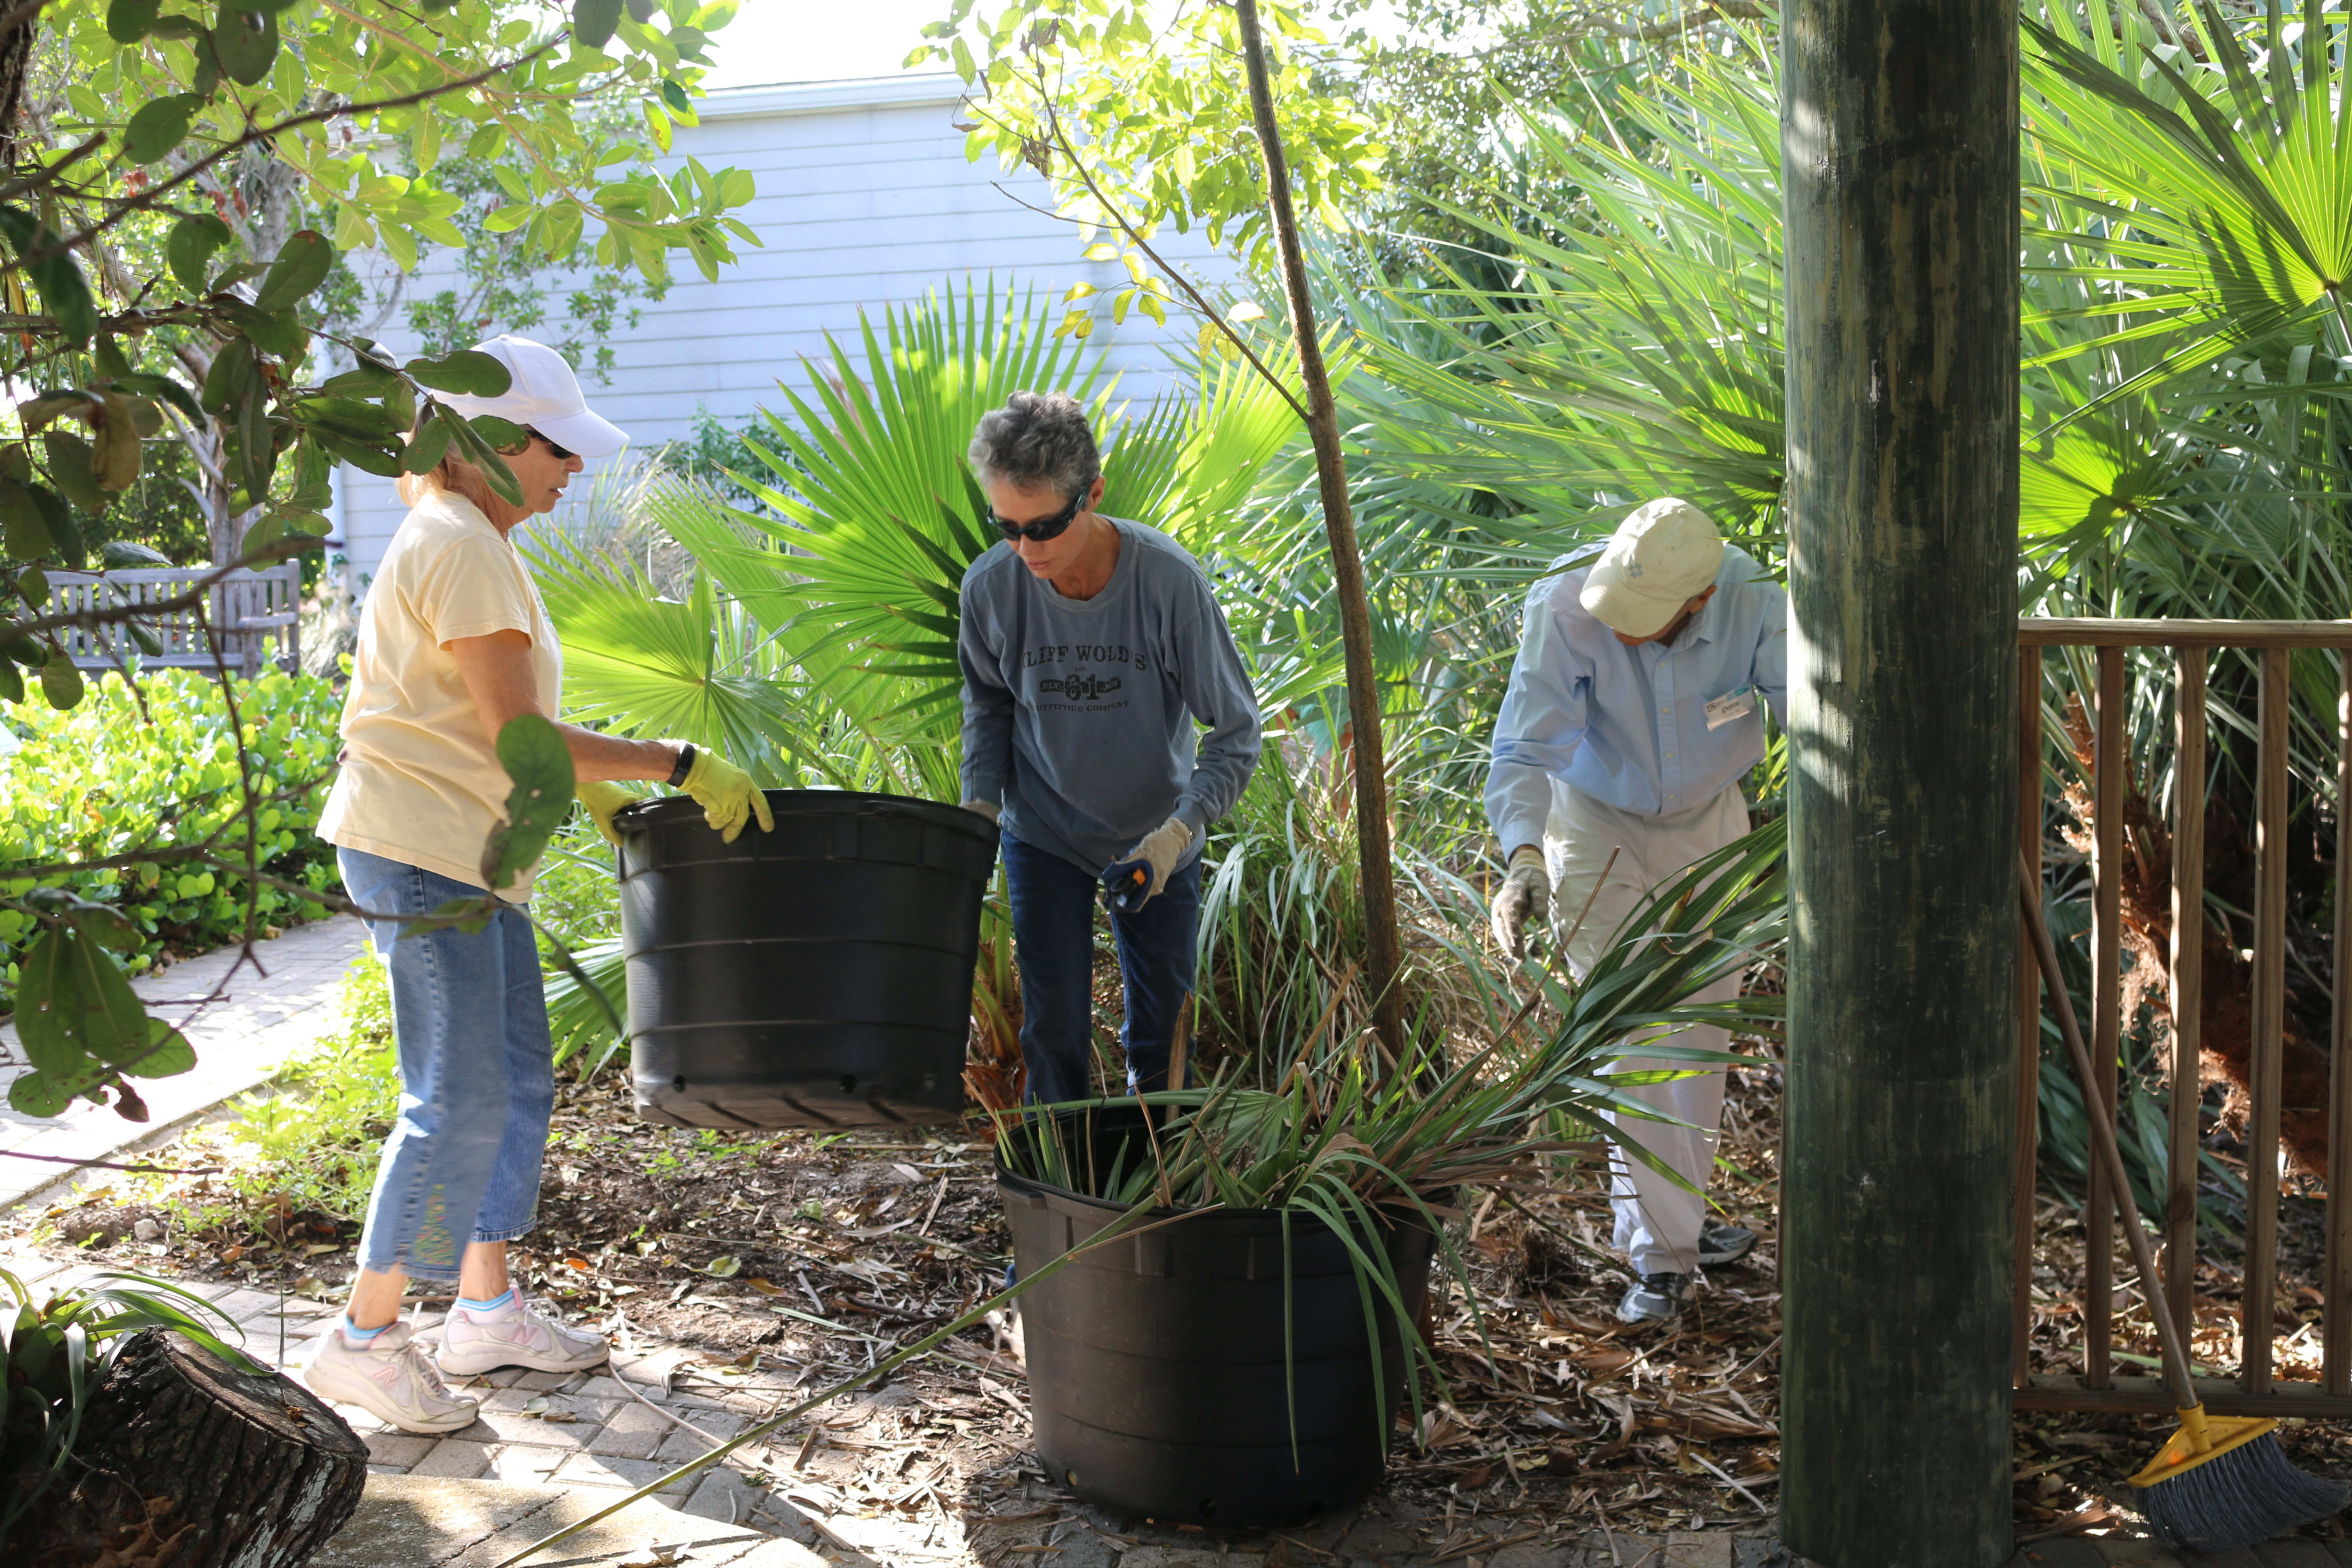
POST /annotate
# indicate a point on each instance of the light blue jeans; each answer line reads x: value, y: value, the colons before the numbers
x: 477, y: 1074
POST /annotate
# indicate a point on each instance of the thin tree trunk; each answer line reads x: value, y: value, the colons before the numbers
x: 1898, y: 121
x: 15, y: 61
x: 1383, y: 950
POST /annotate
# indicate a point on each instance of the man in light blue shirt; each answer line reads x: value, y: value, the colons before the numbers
x: 1633, y: 712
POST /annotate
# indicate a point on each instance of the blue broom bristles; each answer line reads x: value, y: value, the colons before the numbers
x: 2247, y: 1496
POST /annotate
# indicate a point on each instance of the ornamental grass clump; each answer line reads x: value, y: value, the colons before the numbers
x: 1347, y: 1135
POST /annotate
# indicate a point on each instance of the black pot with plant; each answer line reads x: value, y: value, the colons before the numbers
x: 1237, y: 1334
x: 1234, y: 1366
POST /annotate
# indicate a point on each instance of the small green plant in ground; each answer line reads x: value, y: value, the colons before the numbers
x: 160, y: 767
x: 307, y: 1144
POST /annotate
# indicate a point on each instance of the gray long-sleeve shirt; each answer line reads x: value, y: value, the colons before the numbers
x: 1078, y: 714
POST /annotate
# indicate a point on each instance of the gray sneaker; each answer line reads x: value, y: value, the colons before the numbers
x: 1722, y: 1244
x: 1656, y: 1298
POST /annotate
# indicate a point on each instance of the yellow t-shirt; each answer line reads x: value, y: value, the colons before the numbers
x: 421, y: 781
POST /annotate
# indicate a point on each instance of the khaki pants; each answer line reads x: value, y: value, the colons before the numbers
x: 1658, y: 1222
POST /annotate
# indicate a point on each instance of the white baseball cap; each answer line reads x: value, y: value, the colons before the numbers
x: 1660, y: 558
x: 543, y: 394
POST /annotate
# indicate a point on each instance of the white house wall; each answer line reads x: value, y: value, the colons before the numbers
x: 865, y: 201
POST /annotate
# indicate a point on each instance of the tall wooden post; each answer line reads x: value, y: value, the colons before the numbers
x: 1899, y: 131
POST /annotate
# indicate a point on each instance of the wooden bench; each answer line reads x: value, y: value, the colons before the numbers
x: 243, y: 612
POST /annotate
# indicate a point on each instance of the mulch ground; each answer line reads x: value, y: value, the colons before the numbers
x: 790, y: 1261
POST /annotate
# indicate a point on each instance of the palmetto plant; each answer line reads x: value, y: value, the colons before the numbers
x: 2187, y: 439
x: 818, y: 641
x: 2212, y: 157
x: 1639, y: 353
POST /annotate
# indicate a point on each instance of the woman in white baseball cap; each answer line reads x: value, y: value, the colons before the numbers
x: 453, y: 642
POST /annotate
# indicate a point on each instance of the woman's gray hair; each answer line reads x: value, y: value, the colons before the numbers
x: 1038, y: 438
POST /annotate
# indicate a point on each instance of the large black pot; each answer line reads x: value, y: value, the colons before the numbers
x: 819, y: 975
x: 1159, y: 1381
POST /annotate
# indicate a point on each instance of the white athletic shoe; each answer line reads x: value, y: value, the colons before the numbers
x: 390, y: 1379
x: 521, y: 1335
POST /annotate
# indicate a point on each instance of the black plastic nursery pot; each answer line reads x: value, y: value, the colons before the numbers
x: 1159, y: 1381
x: 818, y: 975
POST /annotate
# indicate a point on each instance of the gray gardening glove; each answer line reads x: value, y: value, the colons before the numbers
x: 1524, y: 897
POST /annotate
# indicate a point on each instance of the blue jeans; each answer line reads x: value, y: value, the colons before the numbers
x: 1053, y: 937
x: 477, y: 1074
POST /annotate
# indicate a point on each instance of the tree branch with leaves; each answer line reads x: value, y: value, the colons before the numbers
x: 142, y: 285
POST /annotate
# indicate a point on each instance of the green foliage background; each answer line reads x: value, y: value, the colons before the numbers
x: 156, y: 773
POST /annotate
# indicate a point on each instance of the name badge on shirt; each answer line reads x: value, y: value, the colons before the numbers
x: 1729, y: 706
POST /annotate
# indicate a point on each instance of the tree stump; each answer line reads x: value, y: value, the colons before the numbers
x: 184, y: 1461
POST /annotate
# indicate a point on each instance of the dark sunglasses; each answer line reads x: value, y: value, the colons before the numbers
x: 1043, y: 528
x: 562, y: 454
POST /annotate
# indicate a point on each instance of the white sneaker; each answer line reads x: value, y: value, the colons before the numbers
x: 521, y: 1335
x: 390, y: 1379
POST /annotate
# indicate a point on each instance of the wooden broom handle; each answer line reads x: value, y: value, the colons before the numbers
x: 2103, y: 1138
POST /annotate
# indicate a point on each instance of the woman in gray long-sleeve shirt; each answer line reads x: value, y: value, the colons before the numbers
x: 1091, y: 648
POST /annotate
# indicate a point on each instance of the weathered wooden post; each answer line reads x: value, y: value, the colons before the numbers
x: 1899, y: 127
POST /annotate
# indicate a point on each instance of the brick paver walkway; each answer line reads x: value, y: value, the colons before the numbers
x: 263, y: 1019
x: 550, y: 1448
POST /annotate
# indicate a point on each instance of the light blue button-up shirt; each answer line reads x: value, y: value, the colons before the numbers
x: 1628, y: 725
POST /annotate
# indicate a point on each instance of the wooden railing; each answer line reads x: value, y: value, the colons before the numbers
x: 2255, y: 1391
x: 243, y: 612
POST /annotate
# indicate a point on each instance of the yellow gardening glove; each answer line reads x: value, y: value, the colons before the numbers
x: 603, y: 798
x: 728, y: 796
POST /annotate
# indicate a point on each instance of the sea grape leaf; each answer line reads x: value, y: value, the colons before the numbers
x: 592, y: 21
x: 190, y: 246
x: 303, y: 264
x: 466, y: 372
x: 74, y: 1006
x: 532, y: 751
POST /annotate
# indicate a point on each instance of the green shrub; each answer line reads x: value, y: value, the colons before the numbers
x: 122, y: 771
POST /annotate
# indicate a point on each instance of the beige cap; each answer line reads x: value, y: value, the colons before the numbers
x: 1660, y: 558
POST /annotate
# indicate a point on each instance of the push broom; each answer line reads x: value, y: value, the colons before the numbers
x: 2221, y: 1483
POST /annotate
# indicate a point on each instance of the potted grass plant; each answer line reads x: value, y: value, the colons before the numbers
x: 1238, y: 1353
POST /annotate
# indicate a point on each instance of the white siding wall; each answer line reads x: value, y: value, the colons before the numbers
x: 865, y: 200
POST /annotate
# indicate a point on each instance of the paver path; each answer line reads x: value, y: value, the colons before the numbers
x: 263, y: 1019
x: 473, y: 1498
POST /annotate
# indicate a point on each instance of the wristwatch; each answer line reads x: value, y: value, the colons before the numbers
x: 684, y: 764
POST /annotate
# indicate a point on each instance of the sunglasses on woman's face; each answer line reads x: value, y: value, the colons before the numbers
x: 1044, y: 528
x: 562, y: 455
